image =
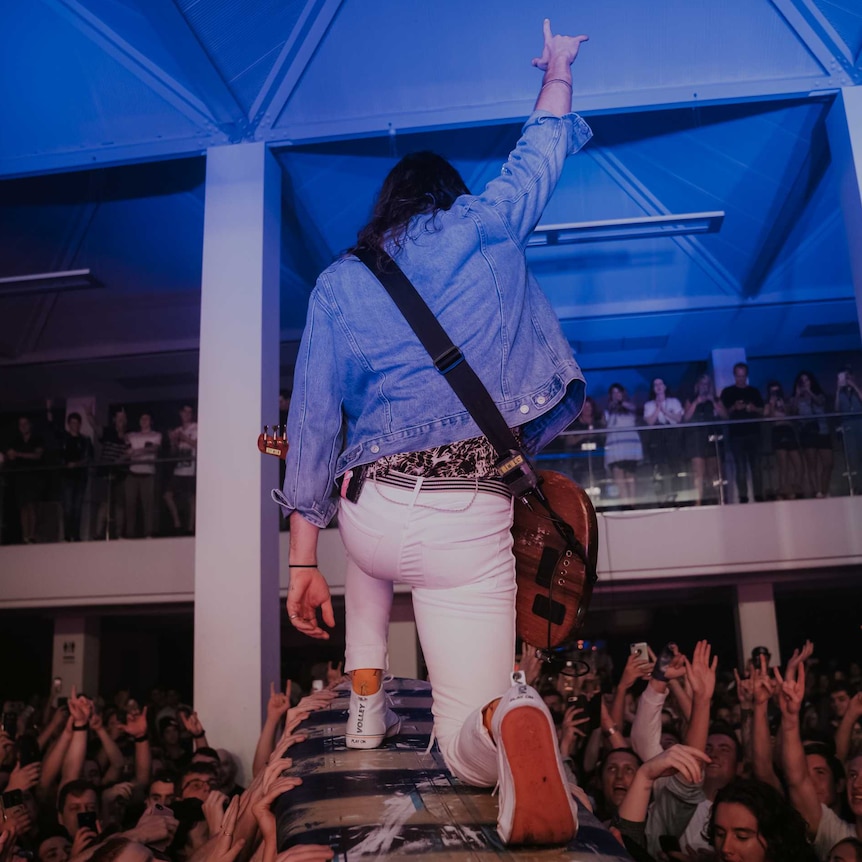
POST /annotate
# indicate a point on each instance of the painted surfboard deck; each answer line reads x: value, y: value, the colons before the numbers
x: 400, y: 801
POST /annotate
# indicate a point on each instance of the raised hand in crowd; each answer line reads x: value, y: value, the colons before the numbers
x: 155, y: 828
x: 214, y: 809
x: 334, y: 673
x: 700, y: 675
x: 80, y: 712
x: 799, y: 655
x: 635, y: 669
x: 8, y: 840
x: 222, y: 846
x: 530, y: 664
x: 85, y: 840
x: 800, y: 788
x: 193, y: 726
x: 136, y: 726
x: 571, y: 730
x: 114, y: 801
x: 274, y: 784
x: 24, y: 778
x: 278, y: 707
x: 683, y: 759
x: 763, y: 688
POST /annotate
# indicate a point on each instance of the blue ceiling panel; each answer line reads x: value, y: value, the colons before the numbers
x: 673, y: 45
x: 71, y: 97
x: 815, y: 261
x: 846, y: 17
x: 742, y: 159
x: 244, y: 38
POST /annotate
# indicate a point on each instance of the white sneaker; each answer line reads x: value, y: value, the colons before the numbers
x: 369, y: 720
x: 535, y: 805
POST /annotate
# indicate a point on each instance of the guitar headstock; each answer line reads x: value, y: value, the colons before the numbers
x: 273, y: 441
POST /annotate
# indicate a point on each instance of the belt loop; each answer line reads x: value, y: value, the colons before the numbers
x: 416, y: 490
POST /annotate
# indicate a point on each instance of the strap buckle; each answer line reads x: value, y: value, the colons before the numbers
x: 449, y: 359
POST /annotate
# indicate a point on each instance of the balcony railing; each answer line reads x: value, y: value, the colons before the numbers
x: 643, y: 466
x: 713, y: 463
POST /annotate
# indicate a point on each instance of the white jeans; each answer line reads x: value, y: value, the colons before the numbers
x: 454, y: 548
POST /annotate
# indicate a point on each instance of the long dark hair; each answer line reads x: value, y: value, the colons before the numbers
x: 420, y: 183
x: 779, y: 824
x: 815, y: 384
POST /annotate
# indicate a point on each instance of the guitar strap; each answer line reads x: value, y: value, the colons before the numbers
x: 513, y: 464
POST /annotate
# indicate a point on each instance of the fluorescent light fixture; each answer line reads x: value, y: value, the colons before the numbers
x: 626, y: 228
x: 48, y: 282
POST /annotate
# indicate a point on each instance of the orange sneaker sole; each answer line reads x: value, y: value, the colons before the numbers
x: 543, y: 813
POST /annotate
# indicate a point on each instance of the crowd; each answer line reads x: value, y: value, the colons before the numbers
x: 684, y: 760
x: 123, y: 472
x: 680, y: 757
x: 777, y: 446
x: 89, y: 780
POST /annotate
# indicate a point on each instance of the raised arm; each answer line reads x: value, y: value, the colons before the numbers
x: 558, y: 54
x: 193, y: 726
x: 701, y: 675
x: 634, y: 670
x: 136, y: 726
x: 763, y: 688
x: 687, y: 761
x: 80, y: 708
x: 800, y: 788
x: 276, y: 708
x: 111, y: 749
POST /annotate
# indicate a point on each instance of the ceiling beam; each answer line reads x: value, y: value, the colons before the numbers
x: 308, y: 129
x: 651, y: 205
x: 103, y: 156
x: 127, y: 55
x: 821, y: 39
x: 310, y: 28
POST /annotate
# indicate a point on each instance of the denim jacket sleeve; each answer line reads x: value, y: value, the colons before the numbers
x: 314, y: 423
x: 521, y: 192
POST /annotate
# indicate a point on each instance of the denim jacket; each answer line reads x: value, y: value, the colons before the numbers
x: 364, y: 387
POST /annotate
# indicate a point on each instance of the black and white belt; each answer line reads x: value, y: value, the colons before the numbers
x: 444, y: 483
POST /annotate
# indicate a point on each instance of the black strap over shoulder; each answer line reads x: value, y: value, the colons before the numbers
x: 513, y: 465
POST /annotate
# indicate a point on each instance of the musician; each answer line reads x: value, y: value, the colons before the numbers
x: 422, y: 502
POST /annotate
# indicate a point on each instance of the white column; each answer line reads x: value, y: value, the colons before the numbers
x: 237, y: 643
x: 76, y: 655
x: 756, y: 624
x: 844, y: 129
x: 723, y: 360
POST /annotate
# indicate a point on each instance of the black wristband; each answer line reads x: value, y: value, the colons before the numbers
x: 200, y: 735
x: 80, y: 727
x: 143, y: 738
x: 301, y: 566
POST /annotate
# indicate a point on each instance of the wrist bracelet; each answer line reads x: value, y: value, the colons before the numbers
x: 557, y: 81
x: 200, y: 735
x: 302, y: 566
x: 143, y: 738
x: 80, y: 727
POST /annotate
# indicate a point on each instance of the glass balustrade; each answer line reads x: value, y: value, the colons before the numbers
x: 689, y: 464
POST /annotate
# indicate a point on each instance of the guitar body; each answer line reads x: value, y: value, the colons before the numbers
x: 554, y: 588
